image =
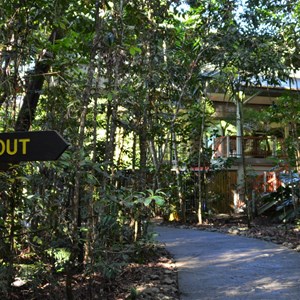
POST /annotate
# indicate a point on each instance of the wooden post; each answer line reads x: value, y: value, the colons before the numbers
x: 274, y: 182
x: 238, y: 130
x: 227, y: 146
x: 274, y: 148
x: 253, y: 203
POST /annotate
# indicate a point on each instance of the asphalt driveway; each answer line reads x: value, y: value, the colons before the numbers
x: 219, y: 266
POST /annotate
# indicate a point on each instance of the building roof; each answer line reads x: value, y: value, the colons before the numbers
x: 262, y: 93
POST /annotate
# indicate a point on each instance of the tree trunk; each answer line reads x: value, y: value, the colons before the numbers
x: 156, y: 163
x: 200, y: 154
x: 143, y: 156
x: 180, y: 194
x: 35, y: 86
x: 77, y: 185
x: 243, y: 172
x: 111, y: 136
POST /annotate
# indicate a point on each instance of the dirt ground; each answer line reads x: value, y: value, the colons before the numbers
x: 155, y: 278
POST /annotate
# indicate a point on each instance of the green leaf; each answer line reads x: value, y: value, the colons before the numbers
x: 133, y: 50
x: 159, y: 201
x: 37, y: 240
x: 147, y: 201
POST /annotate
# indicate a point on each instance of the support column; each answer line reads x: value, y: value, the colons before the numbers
x: 238, y: 130
x: 274, y: 148
x: 213, y: 148
x: 240, y: 185
x: 227, y: 146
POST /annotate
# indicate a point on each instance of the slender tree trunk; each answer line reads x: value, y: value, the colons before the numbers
x: 12, y: 229
x: 200, y: 154
x: 295, y: 139
x: 111, y: 136
x: 182, y: 202
x: 91, y: 220
x: 296, y: 145
x: 134, y: 145
x: 80, y: 145
x: 143, y: 155
x: 114, y: 105
x: 4, y: 71
x: 156, y: 163
x: 243, y: 194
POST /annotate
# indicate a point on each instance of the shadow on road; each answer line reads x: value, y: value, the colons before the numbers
x: 218, y: 266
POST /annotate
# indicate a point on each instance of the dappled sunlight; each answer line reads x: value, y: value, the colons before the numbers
x: 266, y: 286
x: 229, y: 258
x: 268, y: 283
x: 218, y: 266
x: 225, y: 258
x: 244, y: 257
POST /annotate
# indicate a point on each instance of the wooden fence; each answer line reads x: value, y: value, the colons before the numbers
x: 221, y: 191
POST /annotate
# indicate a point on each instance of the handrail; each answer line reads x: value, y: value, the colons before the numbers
x: 254, y: 146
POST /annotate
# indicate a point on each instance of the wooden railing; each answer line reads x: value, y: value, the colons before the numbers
x: 266, y: 183
x: 254, y: 146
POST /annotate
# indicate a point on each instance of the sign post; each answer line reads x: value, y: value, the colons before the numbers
x: 31, y: 146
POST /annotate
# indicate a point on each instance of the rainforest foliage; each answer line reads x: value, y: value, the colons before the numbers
x: 125, y: 83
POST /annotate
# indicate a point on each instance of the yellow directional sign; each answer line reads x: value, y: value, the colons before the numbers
x: 31, y: 146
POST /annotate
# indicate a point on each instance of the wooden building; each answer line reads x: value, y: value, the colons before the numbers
x: 261, y: 154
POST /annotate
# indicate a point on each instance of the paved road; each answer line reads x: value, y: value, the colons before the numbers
x: 219, y: 266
